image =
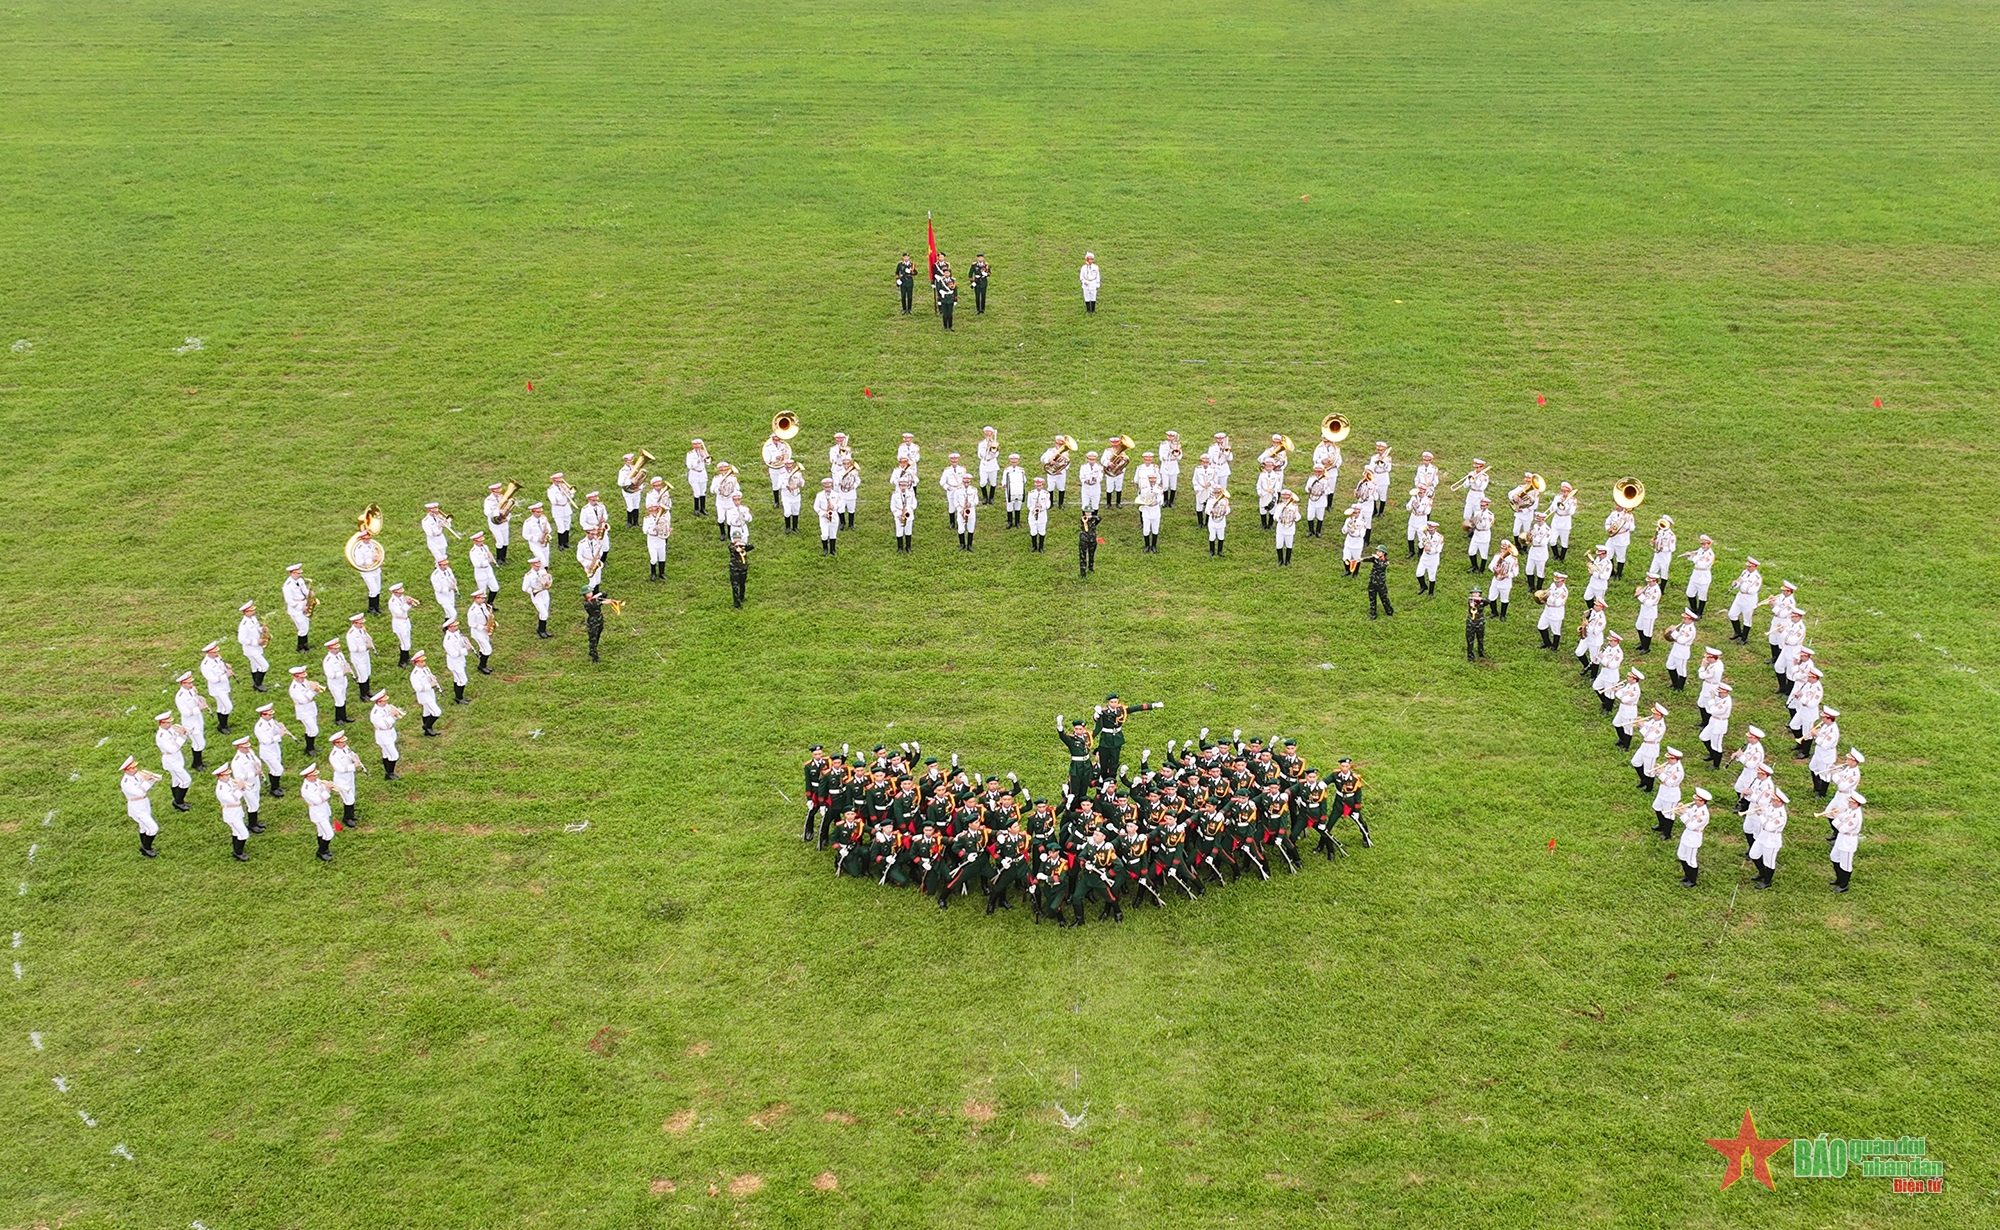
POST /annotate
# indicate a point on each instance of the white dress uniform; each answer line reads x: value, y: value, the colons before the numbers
x: 1090, y: 277
x: 903, y: 500
x: 382, y: 716
x: 1751, y: 757
x: 1055, y: 467
x: 188, y: 703
x: 1562, y: 516
x: 540, y: 535
x: 1554, y: 610
x: 1430, y: 549
x: 1151, y: 497
x: 629, y: 485
x: 1090, y: 482
x: 1476, y: 482
x: 1717, y: 726
x: 696, y: 466
x: 345, y: 763
x: 909, y: 450
x: 956, y: 483
x: 562, y: 504
x: 1218, y: 517
x: 1846, y: 775
x: 479, y: 627
x: 1710, y: 673
x: 847, y: 481
x: 1789, y: 641
x: 590, y: 552
x: 536, y: 583
x: 1648, y: 595
x: 1353, y: 533
x: 1482, y: 534
x: 1364, y: 499
x: 1147, y: 474
x: 171, y: 738
x: 1500, y: 587
x: 400, y: 605
x: 1525, y: 508
x: 134, y: 786
x: 250, y: 636
x: 1320, y: 487
x: 1650, y: 732
x: 433, y: 525
x: 839, y: 453
x: 1379, y: 468
x: 1783, y: 603
x: 1540, y: 538
x: 1680, y: 646
x: 792, y: 496
x: 1328, y: 455
x: 1747, y: 586
x: 826, y: 509
x: 1694, y: 823
x: 777, y: 462
x: 1610, y: 666
x: 1221, y: 458
x: 1618, y: 526
x: 1826, y: 745
x: 485, y: 580
x: 1667, y: 781
x: 1702, y: 561
x: 1626, y: 693
x: 592, y: 515
x: 1205, y: 485
x: 989, y: 458
x: 305, y: 704
x: 738, y: 520
x: 1598, y: 569
x: 230, y: 798
x: 1662, y: 563
x: 249, y: 774
x: 1419, y: 507
x: 659, y: 527
x: 457, y: 648
x: 1014, y: 484
x: 424, y: 683
x: 270, y: 734
x: 1591, y: 640
x: 318, y: 796
x: 1270, y: 481
x: 1770, y: 835
x: 1805, y: 701
x: 298, y: 603
x: 1170, y: 462
x: 1286, y: 517
x: 444, y: 587
x: 499, y: 522
x: 370, y: 554
x: 728, y: 490
x: 1037, y: 507
x: 360, y: 657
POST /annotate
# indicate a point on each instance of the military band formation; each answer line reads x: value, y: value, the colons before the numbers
x: 1208, y: 813
x: 1534, y: 548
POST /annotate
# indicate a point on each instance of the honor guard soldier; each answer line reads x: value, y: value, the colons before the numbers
x: 271, y: 736
x: 817, y: 768
x: 382, y: 716
x: 906, y: 281
x: 1844, y: 813
x: 1076, y: 737
x: 1014, y: 489
x: 697, y: 474
x: 562, y: 508
x: 189, y: 704
x: 989, y: 463
x: 1430, y: 549
x: 368, y: 559
x: 299, y: 603
x: 444, y: 587
x: 1475, y: 627
x: 1090, y: 277
x: 217, y: 674
x: 499, y: 510
x: 1668, y: 774
x: 1170, y: 466
x: 485, y: 580
x: 345, y: 763
x: 317, y: 796
x: 1037, y: 509
x: 981, y: 272
x: 947, y: 298
x: 305, y: 706
x: 424, y: 684
x: 1110, y: 731
x: 170, y: 737
x: 435, y: 525
x: 480, y: 623
x: 1285, y: 521
x: 539, y: 533
x: 1702, y: 562
x: 1378, y: 583
x: 1743, y: 606
x: 400, y: 607
x: 1086, y: 543
x: 1218, y: 519
x: 134, y: 783
x: 739, y: 571
x: 659, y: 527
x: 457, y: 648
x: 251, y: 637
x: 536, y: 583
x: 1693, y: 816
x: 826, y: 510
x: 1555, y: 605
x: 229, y: 797
x: 632, y: 484
x: 1347, y: 799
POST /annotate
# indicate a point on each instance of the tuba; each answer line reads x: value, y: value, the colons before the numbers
x: 640, y: 461
x: 784, y: 424
x: 370, y: 523
x: 1628, y: 493
x: 508, y: 490
x: 1286, y: 446
x: 1334, y: 428
x: 1064, y: 446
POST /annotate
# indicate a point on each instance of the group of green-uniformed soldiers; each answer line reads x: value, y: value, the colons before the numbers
x: 1210, y: 811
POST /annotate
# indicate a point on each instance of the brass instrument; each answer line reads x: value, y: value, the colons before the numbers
x: 1531, y: 482
x: 508, y: 490
x: 370, y: 523
x: 784, y: 424
x: 453, y: 528
x: 617, y: 605
x: 1065, y: 445
x: 1116, y: 454
x: 1334, y: 428
x: 640, y: 460
x: 1628, y: 493
x: 1542, y: 597
x: 312, y: 596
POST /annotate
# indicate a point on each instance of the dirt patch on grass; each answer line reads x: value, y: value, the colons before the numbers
x: 746, y: 1185
x: 1037, y: 1178
x: 770, y: 1117
x: 661, y: 1187
x: 605, y: 1041
x: 680, y: 1121
x: 825, y: 1181
x: 977, y: 1111
x: 838, y: 1116
x: 1282, y: 1180
x: 698, y: 1050
x: 1196, y: 1180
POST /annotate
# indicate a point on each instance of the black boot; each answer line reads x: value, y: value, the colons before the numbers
x: 374, y: 604
x: 484, y: 669
x: 236, y: 850
x: 252, y: 823
x: 277, y: 786
x: 429, y: 731
x: 257, y: 682
x: 458, y: 694
x: 310, y: 750
x: 347, y: 815
x: 302, y: 645
x: 403, y: 658
x: 1841, y: 876
x: 542, y: 629
x: 389, y: 773
x: 146, y: 846
x: 340, y: 717
x: 325, y: 850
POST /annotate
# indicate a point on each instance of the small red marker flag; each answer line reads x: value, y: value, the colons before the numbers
x: 866, y: 391
x: 1878, y: 403
x: 531, y: 386
x: 1552, y: 843
x: 1540, y: 400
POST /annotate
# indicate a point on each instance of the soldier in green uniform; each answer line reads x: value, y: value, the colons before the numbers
x: 906, y: 281
x: 1076, y: 738
x: 1097, y: 872
x: 1241, y: 814
x: 1048, y: 875
x: 1086, y: 543
x: 816, y: 769
x: 1010, y: 865
x: 1110, y: 732
x: 850, y: 856
x: 1347, y: 797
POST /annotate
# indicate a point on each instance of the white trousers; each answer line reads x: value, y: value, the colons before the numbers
x: 1217, y: 527
x: 1149, y: 519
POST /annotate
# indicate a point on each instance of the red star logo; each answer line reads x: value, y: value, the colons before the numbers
x: 1746, y: 1144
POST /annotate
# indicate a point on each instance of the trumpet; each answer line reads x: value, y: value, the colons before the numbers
x: 1628, y: 493
x: 1334, y: 428
x: 784, y: 425
x: 370, y: 523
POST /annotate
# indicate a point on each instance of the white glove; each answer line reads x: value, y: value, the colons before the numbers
x: 1059, y: 721
x: 1124, y: 770
x: 977, y: 780
x: 1012, y: 778
x: 954, y: 760
x: 1145, y: 755
x: 905, y: 747
x: 843, y: 749
x: 1097, y: 711
x: 1238, y: 736
x: 1204, y: 732
x: 1159, y: 704
x: 1170, y: 748
x: 916, y: 747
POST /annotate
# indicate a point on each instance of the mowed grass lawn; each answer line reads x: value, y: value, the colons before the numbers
x: 1710, y: 236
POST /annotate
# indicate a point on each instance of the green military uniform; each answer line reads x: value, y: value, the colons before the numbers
x: 1010, y: 866
x: 1077, y: 743
x: 1110, y: 731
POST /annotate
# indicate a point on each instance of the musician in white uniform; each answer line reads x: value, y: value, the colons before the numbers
x: 424, y: 683
x: 1500, y: 588
x: 1618, y: 526
x: 1782, y: 604
x: 271, y: 736
x: 1090, y: 277
x: 360, y: 655
x: 1319, y: 493
x: 249, y: 774
x: 399, y: 621
x: 499, y: 521
x: 345, y: 762
x: 1710, y: 673
x: 1825, y: 747
x: 444, y: 587
x: 1090, y: 482
x: 847, y: 480
x: 1751, y: 757
x: 1702, y: 562
x: 1014, y: 489
x: 1554, y: 608
x: 435, y: 525
x: 1218, y: 519
x: 304, y: 692
x: 792, y: 497
x: 1663, y: 544
x: 134, y: 783
x: 909, y: 450
x: 1626, y: 694
x: 189, y: 705
x: 727, y: 490
x: 659, y: 528
x: 1717, y: 727
x: 369, y: 556
x: 1055, y: 467
x: 1285, y: 519
x: 1597, y: 566
x: 1430, y: 549
x: 989, y: 464
x: 1540, y: 539
x: 1474, y: 484
x: 697, y: 473
x: 1037, y: 509
x: 1562, y: 516
x: 1379, y: 468
x: 826, y: 510
x: 1481, y: 542
x: 631, y: 485
x: 1680, y: 647
x: 457, y: 648
x: 485, y: 580
x: 539, y: 533
x: 479, y: 624
x: 1743, y: 607
x: 1220, y: 458
x: 1526, y: 503
x: 1844, y: 813
x: 217, y: 674
x: 298, y: 596
x: 1648, y: 595
x: 1270, y: 481
x: 1353, y: 535
x: 1668, y: 775
x: 1205, y: 488
x: 251, y: 637
x: 536, y: 584
x: 1694, y: 823
x: 1650, y: 731
x: 1770, y: 837
x: 956, y: 483
x: 318, y: 796
x: 777, y: 455
x: 593, y: 517
x: 229, y: 797
x: 382, y: 716
x: 1419, y: 507
x: 562, y: 508
x: 1170, y: 466
x: 1610, y: 665
x: 1790, y: 639
x: 1590, y: 636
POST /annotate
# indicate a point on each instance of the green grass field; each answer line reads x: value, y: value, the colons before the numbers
x: 1711, y: 235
